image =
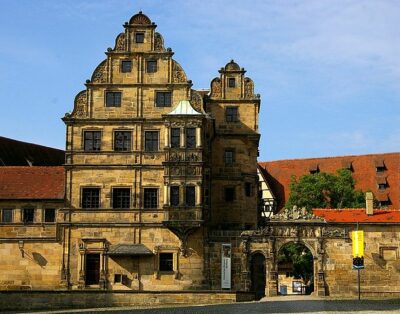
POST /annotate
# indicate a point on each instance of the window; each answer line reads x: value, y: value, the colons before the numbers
x: 248, y: 189
x: 28, y: 215
x: 231, y: 114
x: 166, y: 262
x: 174, y: 195
x: 382, y: 186
x: 49, y: 215
x: 190, y: 196
x: 229, y: 156
x: 90, y: 197
x: 163, y: 99
x: 119, y: 278
x: 113, y: 99
x: 121, y: 197
x: 151, y: 141
x: 384, y: 203
x: 122, y: 141
x: 150, y: 198
x: 229, y: 194
x: 126, y: 66
x: 175, y: 137
x: 380, y: 168
x: 92, y: 141
x: 190, y: 138
x: 151, y: 66
x: 231, y: 82
x: 7, y: 215
x: 139, y: 37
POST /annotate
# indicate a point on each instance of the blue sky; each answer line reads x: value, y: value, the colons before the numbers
x: 328, y: 71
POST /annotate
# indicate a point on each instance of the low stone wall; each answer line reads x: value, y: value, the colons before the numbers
x: 41, y: 300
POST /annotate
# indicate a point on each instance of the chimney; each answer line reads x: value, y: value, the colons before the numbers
x: 369, y: 203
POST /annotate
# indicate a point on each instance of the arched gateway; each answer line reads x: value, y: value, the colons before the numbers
x: 296, y: 226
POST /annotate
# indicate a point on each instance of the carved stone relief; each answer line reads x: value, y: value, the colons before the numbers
x: 178, y: 75
x: 120, y: 42
x: 158, y: 42
x: 248, y: 88
x: 80, y: 105
x: 216, y: 91
x: 100, y: 74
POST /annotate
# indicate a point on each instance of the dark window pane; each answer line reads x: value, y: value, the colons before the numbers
x: 49, y: 215
x: 190, y: 196
x: 7, y: 215
x: 90, y: 198
x: 139, y: 37
x: 231, y: 82
x: 229, y: 194
x: 248, y: 189
x: 122, y: 141
x: 231, y: 114
x: 113, y: 99
x: 151, y: 141
x: 151, y: 66
x: 28, y: 215
x: 163, y: 99
x: 229, y: 156
x: 166, y: 262
x: 150, y: 198
x: 380, y: 169
x: 174, y: 195
x: 175, y: 137
x: 92, y: 140
x: 121, y: 197
x: 190, y: 138
x: 126, y: 66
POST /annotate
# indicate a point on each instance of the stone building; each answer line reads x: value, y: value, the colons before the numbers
x: 152, y: 167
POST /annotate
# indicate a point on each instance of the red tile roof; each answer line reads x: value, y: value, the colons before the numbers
x: 278, y: 174
x: 32, y: 183
x: 358, y: 215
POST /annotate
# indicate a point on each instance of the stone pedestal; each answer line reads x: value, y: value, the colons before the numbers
x: 271, y: 288
x: 321, y: 291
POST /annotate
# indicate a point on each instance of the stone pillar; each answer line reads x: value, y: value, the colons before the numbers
x: 271, y: 276
x: 166, y: 195
x: 183, y: 137
x: 102, y: 280
x: 198, y: 194
x: 167, y: 137
x: 198, y: 137
x: 319, y: 287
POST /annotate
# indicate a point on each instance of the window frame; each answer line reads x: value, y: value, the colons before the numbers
x: 93, y: 148
x: 149, y: 204
x: 9, y: 210
x: 151, y: 66
x: 129, y: 141
x: 192, y: 202
x: 166, y: 265
x: 230, y: 162
x: 90, y: 188
x: 112, y: 93
x: 120, y: 199
x: 230, y: 80
x: 151, y: 149
x: 164, y: 104
x: 175, y: 196
x: 45, y: 211
x: 232, y: 117
x: 142, y: 38
x: 123, y: 68
x: 178, y: 138
x: 192, y: 137
x: 24, y: 218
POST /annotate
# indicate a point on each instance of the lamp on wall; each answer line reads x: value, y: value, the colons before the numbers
x: 21, y: 247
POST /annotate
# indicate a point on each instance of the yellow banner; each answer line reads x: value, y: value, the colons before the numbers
x: 358, y: 243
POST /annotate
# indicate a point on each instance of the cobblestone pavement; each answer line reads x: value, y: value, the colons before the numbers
x: 269, y: 305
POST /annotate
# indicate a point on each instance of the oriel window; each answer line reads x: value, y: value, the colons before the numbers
x: 150, y: 198
x: 151, y: 66
x: 139, y: 37
x: 126, y: 66
x: 122, y: 141
x: 113, y: 99
x: 163, y: 99
x: 231, y: 114
x: 92, y: 140
x: 229, y: 156
x: 151, y: 141
x: 190, y: 196
x: 90, y: 197
x: 190, y: 138
x: 175, y: 137
x: 174, y: 195
x: 121, y: 197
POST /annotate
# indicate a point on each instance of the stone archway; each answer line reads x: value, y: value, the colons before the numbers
x: 258, y: 274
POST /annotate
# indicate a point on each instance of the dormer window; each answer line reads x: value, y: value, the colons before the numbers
x: 139, y: 37
x: 314, y: 169
x: 231, y: 82
x: 380, y: 166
